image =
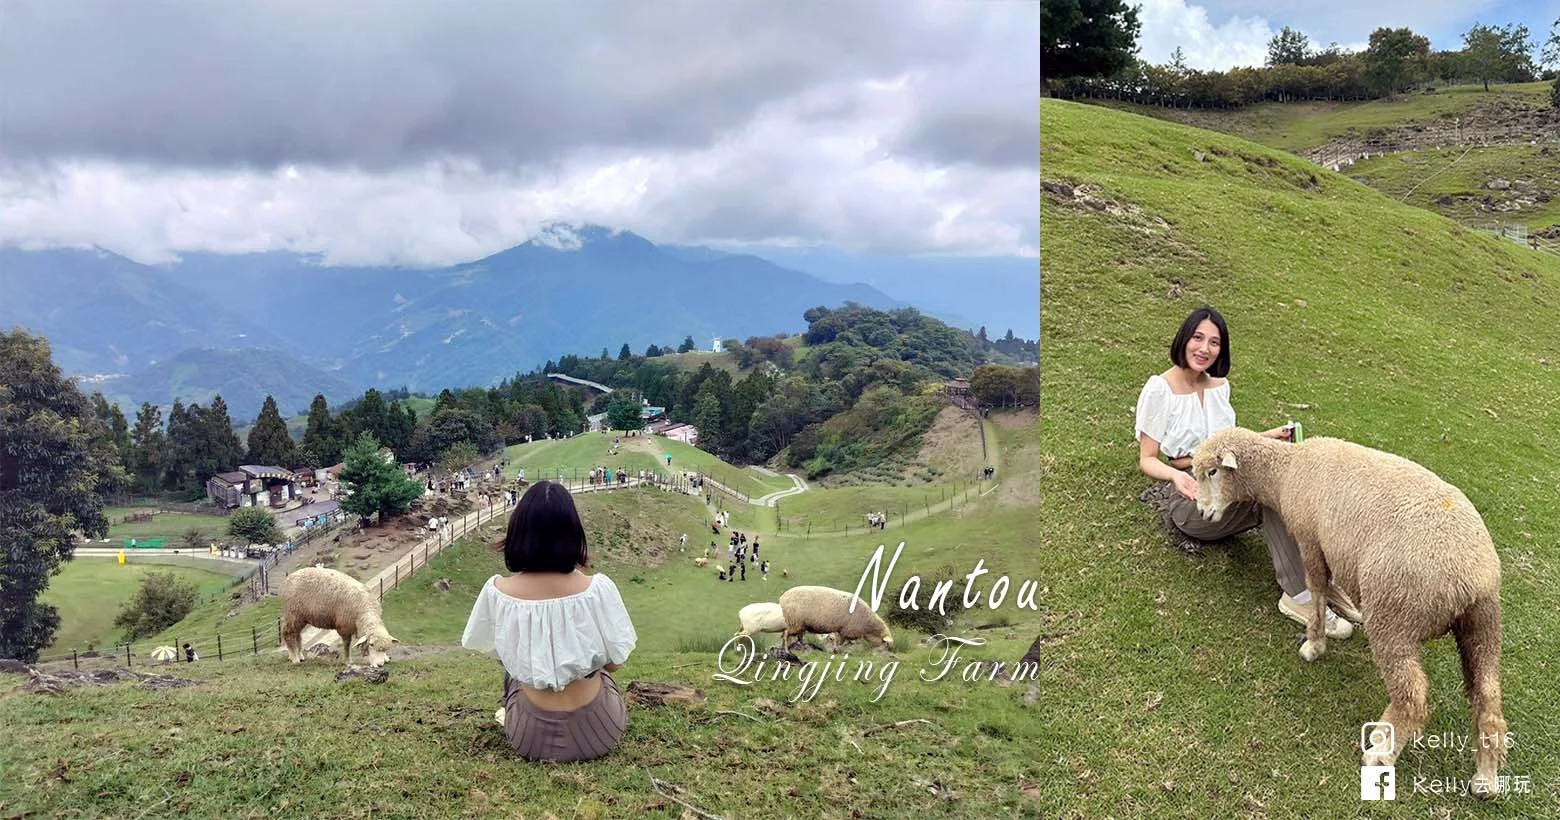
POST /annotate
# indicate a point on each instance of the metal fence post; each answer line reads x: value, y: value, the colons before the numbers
x: 219, y: 646
x: 254, y: 637
x: 74, y: 661
x: 128, y: 662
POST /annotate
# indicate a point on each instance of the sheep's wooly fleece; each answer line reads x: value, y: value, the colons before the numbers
x: 824, y: 609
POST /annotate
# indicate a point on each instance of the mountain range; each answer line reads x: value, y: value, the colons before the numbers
x: 284, y: 324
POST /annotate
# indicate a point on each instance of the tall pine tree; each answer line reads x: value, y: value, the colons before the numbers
x: 269, y: 442
x: 321, y: 445
x: 148, y: 448
x: 377, y: 486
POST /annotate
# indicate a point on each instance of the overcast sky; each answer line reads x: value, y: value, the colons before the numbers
x: 1219, y: 34
x: 432, y: 132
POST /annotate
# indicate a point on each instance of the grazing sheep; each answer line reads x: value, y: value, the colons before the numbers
x: 760, y: 618
x: 1408, y: 547
x: 328, y: 599
x: 701, y: 561
x: 822, y: 610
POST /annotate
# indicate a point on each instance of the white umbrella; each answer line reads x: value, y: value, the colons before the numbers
x: 166, y: 654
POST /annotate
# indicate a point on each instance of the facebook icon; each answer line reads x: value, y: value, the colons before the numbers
x: 1378, y: 783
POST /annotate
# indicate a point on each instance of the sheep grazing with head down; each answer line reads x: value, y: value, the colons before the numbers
x: 757, y: 619
x: 328, y: 599
x: 824, y: 610
x: 1409, y: 548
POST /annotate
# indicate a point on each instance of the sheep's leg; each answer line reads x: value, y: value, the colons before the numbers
x: 1316, y: 583
x: 291, y: 638
x: 346, y: 646
x: 1478, y: 642
x: 1408, y: 691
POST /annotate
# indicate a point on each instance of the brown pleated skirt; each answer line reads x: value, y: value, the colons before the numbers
x: 586, y: 733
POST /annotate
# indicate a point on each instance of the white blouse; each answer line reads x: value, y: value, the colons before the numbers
x: 551, y: 643
x: 1179, y: 422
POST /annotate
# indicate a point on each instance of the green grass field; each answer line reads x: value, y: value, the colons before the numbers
x: 169, y: 525
x: 933, y: 744
x: 577, y: 455
x: 1298, y: 127
x: 1180, y: 689
x: 89, y: 593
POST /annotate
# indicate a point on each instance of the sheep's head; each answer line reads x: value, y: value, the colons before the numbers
x: 1216, y: 468
x: 375, y: 647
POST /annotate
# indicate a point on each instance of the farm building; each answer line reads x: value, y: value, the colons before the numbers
x: 253, y: 486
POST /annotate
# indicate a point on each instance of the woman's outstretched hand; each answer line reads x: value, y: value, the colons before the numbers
x: 1185, y: 485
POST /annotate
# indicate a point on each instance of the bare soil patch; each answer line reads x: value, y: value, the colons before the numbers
x: 950, y: 447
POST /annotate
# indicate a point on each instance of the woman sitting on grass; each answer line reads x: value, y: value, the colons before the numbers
x: 558, y: 632
x: 1179, y: 408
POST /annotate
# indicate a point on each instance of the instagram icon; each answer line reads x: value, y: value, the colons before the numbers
x: 1378, y: 782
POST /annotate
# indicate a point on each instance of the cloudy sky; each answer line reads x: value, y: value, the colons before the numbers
x: 431, y: 132
x: 1219, y: 34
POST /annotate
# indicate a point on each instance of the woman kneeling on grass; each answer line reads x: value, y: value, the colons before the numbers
x: 1179, y: 408
x: 558, y: 632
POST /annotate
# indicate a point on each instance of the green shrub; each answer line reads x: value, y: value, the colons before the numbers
x: 255, y: 525
x: 161, y: 601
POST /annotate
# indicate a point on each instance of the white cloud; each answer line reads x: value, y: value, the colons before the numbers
x: 779, y: 180
x: 1171, y: 24
x: 429, y: 138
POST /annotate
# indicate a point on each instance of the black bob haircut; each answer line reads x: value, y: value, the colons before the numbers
x: 1221, y: 366
x: 545, y: 533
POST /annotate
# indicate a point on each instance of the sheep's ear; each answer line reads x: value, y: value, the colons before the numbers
x: 1228, y: 462
x: 359, y: 641
x: 394, y: 639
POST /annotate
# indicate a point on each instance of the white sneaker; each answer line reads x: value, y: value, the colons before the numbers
x: 499, y: 716
x: 1339, y: 629
x: 1340, y: 601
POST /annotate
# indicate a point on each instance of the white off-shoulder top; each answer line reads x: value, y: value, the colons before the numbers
x: 548, y: 644
x: 1179, y: 421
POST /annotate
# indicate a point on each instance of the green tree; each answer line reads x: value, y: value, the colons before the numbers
x: 687, y: 345
x: 55, y: 467
x: 269, y: 441
x: 709, y: 414
x: 161, y: 601
x: 321, y: 445
x: 255, y: 526
x: 115, y: 426
x: 652, y: 351
x: 377, y: 485
x: 1288, y: 47
x: 148, y: 448
x: 224, y: 451
x: 1396, y: 58
x: 624, y: 354
x: 459, y: 456
x: 1086, y: 38
x: 623, y: 414
x: 1502, y: 53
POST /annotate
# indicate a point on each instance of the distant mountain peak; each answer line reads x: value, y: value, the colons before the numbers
x: 567, y: 236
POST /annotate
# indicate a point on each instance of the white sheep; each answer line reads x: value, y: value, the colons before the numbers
x: 325, y: 598
x: 760, y: 618
x: 824, y: 610
x: 1406, y: 546
x: 701, y: 561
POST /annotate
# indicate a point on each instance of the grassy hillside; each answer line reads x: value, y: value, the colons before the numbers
x: 89, y: 593
x: 918, y: 739
x: 1454, y: 182
x: 1181, y: 692
x: 1297, y: 127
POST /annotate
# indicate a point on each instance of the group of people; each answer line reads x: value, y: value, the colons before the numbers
x: 605, y: 476
x: 1176, y: 411
x: 877, y: 521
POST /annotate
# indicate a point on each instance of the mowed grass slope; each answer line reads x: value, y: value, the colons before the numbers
x: 89, y: 592
x: 264, y: 738
x: 1182, y: 693
x: 1300, y: 126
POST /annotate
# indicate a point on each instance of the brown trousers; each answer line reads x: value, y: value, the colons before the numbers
x: 586, y: 733
x: 1238, y: 518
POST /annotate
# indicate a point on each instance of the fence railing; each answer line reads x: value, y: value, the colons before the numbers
x: 946, y: 498
x: 219, y: 645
